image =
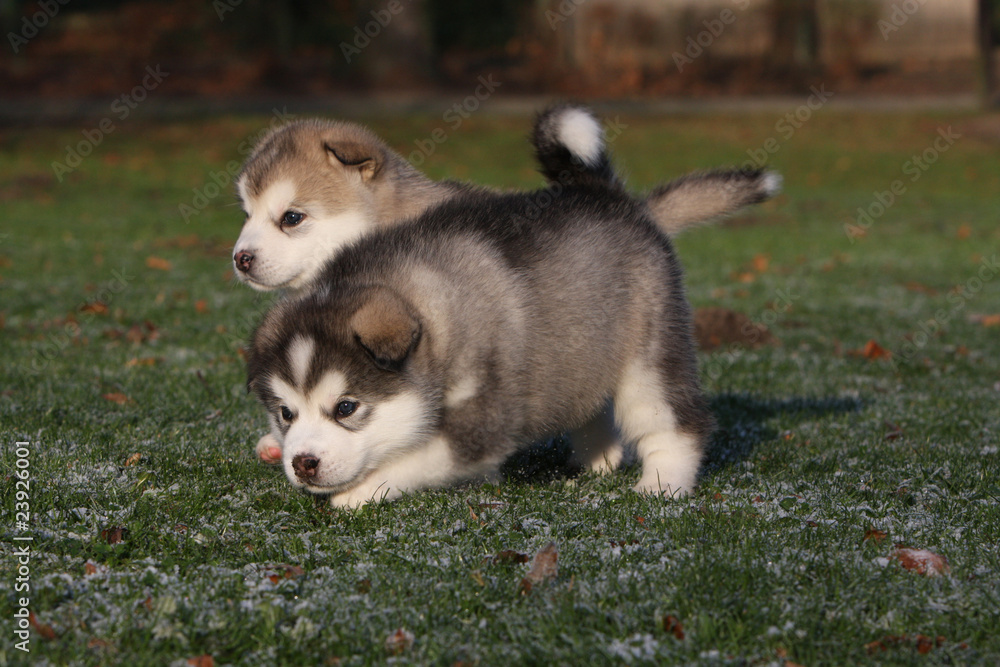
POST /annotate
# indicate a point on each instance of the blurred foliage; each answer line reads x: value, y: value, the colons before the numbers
x: 475, y: 25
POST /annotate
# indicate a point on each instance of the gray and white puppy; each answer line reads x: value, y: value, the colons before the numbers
x: 426, y: 353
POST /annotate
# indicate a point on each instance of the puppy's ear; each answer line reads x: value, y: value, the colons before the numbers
x: 386, y: 328
x: 368, y: 160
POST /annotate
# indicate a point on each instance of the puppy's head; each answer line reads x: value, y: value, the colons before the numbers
x: 341, y: 380
x: 307, y: 189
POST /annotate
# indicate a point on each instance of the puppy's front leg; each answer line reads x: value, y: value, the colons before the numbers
x: 428, y: 466
x: 269, y: 448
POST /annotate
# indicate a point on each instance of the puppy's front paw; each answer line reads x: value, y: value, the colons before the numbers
x: 362, y: 495
x: 269, y: 449
x: 654, y: 485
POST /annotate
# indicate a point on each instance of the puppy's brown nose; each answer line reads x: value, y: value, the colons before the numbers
x: 305, y: 466
x: 243, y: 260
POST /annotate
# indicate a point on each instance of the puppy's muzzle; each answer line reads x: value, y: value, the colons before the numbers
x: 243, y: 260
x: 305, y: 466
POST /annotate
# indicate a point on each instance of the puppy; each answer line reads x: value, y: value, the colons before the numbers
x: 312, y: 186
x: 428, y: 352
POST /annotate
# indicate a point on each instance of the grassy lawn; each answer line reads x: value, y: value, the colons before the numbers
x: 158, y: 538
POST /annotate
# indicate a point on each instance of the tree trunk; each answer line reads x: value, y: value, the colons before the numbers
x: 986, y: 29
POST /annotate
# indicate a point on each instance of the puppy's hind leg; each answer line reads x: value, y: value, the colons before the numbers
x: 670, y: 454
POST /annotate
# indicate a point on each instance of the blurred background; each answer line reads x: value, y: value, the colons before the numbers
x: 236, y: 54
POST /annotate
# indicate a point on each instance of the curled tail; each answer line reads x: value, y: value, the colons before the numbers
x: 697, y: 198
x: 571, y: 150
x: 570, y: 147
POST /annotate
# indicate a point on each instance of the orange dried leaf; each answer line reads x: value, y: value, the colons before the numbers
x: 921, y: 561
x: 201, y: 306
x: 674, y: 627
x: 95, y: 307
x: 141, y: 361
x: 871, y: 351
x: 89, y: 568
x: 964, y: 231
x: 761, y: 262
x: 114, y: 534
x: 875, y: 535
x: 202, y: 661
x: 116, y: 397
x: 399, y: 641
x: 44, y: 630
x: 924, y: 644
x: 508, y: 556
x: 158, y: 263
x: 544, y: 566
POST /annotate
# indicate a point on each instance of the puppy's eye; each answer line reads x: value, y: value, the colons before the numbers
x: 346, y: 408
x: 286, y: 414
x: 291, y: 218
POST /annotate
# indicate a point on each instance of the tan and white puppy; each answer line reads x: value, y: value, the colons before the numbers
x: 312, y: 186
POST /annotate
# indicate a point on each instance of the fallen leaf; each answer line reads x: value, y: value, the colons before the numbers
x: 871, y: 351
x: 544, y: 566
x: 114, y: 534
x: 924, y: 644
x: 921, y: 561
x: 158, y: 263
x: 95, y: 308
x: 201, y: 306
x: 133, y: 459
x: 509, y: 556
x: 875, y: 535
x: 116, y: 397
x: 672, y: 626
x: 202, y: 661
x: 96, y: 643
x: 44, y: 630
x: 761, y: 262
x: 363, y: 586
x: 893, y: 431
x: 141, y: 361
x: 914, y: 286
x: 400, y: 640
x: 986, y: 320
x: 964, y: 231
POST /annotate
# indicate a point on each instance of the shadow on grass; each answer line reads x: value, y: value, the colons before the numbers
x: 742, y: 422
x: 742, y: 425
